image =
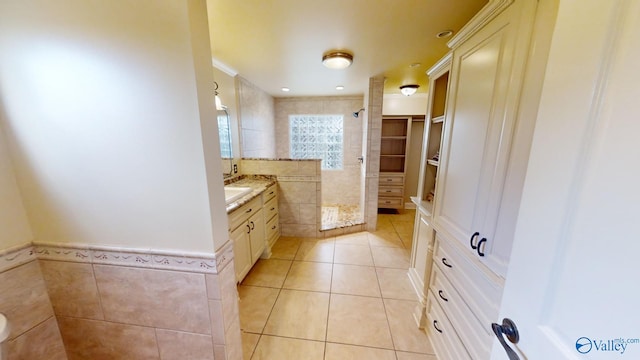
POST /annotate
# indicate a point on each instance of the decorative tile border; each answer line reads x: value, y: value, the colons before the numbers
x: 16, y: 256
x: 142, y: 258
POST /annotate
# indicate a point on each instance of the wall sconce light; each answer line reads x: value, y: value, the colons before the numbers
x: 219, y: 105
x: 408, y: 90
x: 337, y: 60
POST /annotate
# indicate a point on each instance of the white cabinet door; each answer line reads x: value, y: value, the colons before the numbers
x: 485, y: 80
x: 572, y: 281
x: 256, y: 224
x: 572, y: 285
x: 241, y: 250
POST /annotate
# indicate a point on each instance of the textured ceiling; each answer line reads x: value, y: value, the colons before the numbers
x: 280, y: 43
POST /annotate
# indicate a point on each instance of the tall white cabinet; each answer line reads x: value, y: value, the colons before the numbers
x: 463, y: 232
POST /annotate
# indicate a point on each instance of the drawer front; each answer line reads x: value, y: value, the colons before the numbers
x: 391, y: 179
x: 241, y: 214
x: 270, y: 193
x: 476, y: 337
x: 273, y: 228
x: 444, y: 339
x: 271, y: 208
x: 390, y: 191
x: 391, y: 203
x: 479, y: 292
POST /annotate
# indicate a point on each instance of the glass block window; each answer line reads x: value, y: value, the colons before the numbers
x: 224, y: 135
x: 317, y: 137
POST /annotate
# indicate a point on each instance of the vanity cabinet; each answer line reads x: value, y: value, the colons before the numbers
x: 254, y: 229
x: 248, y: 236
x: 271, y: 218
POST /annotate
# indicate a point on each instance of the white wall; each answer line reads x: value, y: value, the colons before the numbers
x: 397, y: 104
x: 108, y: 107
x: 13, y: 217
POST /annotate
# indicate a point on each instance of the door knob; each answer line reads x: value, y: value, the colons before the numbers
x: 509, y: 329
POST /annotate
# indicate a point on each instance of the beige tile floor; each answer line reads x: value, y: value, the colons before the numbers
x: 342, y: 298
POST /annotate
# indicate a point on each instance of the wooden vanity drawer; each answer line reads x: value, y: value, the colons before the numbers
x: 475, y: 336
x: 444, y: 338
x: 389, y: 179
x: 270, y: 193
x: 241, y: 214
x: 271, y: 208
x: 390, y: 203
x: 474, y: 286
x: 390, y: 191
x: 272, y: 228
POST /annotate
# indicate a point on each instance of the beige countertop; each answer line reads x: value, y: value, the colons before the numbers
x: 259, y: 183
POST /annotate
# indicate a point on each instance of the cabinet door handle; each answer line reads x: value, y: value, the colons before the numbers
x: 272, y: 209
x: 273, y: 227
x: 248, y: 229
x: 389, y: 179
x: 435, y: 325
x: 388, y: 191
x: 442, y: 296
x: 271, y: 193
x: 475, y: 235
x: 248, y: 211
x: 253, y: 226
x: 482, y: 241
x: 444, y: 261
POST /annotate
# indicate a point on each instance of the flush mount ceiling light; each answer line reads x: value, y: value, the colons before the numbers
x: 285, y: 89
x: 337, y: 60
x: 339, y: 87
x: 408, y: 90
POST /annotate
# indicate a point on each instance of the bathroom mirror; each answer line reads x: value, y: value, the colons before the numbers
x: 224, y: 132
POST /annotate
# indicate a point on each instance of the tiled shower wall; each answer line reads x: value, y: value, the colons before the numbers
x: 255, y: 120
x: 120, y: 305
x: 373, y: 132
x: 339, y: 186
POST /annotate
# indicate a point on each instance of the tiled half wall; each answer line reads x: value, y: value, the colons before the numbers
x: 299, y: 195
x: 79, y: 302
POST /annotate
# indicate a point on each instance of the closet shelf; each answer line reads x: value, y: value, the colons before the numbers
x: 437, y: 119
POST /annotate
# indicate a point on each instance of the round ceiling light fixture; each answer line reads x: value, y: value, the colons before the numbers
x: 408, y: 90
x: 337, y: 60
x: 444, y: 34
x: 339, y: 87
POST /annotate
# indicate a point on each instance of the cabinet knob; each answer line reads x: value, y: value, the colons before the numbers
x: 273, y: 227
x: 272, y: 209
x: 444, y: 261
x: 475, y: 235
x: 248, y: 211
x: 482, y: 241
x: 435, y: 325
x: 440, y: 293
